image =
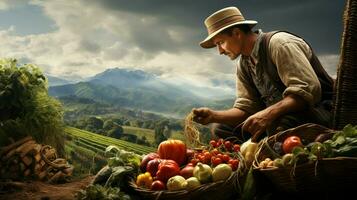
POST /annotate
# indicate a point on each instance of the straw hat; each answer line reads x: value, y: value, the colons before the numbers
x: 221, y: 20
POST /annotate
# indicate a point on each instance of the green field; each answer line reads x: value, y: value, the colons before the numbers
x: 149, y: 133
x: 99, y: 141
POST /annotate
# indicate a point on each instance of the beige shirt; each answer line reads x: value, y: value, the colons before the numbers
x: 291, y: 56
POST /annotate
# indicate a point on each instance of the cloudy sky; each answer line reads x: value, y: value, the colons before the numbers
x: 77, y: 39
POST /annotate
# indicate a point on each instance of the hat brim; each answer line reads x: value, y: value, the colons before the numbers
x: 208, y: 43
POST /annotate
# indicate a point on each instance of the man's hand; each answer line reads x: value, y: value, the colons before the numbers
x: 203, y: 115
x: 256, y: 124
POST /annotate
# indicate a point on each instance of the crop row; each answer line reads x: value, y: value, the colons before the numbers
x: 101, y: 141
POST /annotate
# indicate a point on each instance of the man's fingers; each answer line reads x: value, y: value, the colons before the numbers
x: 256, y: 136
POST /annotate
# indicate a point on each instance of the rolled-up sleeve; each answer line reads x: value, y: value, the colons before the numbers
x: 247, y: 98
x: 291, y: 58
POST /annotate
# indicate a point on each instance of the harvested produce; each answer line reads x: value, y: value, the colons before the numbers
x: 176, y: 183
x: 221, y: 172
x: 291, y: 142
x: 158, y: 185
x: 146, y: 160
x: 173, y: 150
x: 167, y: 169
x: 187, y: 171
x: 192, y: 183
x: 144, y: 180
x: 203, y: 173
x: 153, y: 166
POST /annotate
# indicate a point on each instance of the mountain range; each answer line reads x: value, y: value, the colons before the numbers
x: 140, y: 90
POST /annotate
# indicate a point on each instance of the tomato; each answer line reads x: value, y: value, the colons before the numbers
x: 291, y: 142
x: 194, y: 161
x: 214, y: 152
x: 236, y: 147
x: 146, y: 159
x: 173, y: 150
x: 225, y: 158
x: 213, y: 143
x: 153, y: 166
x: 167, y: 169
x: 189, y: 154
x: 187, y: 171
x: 233, y: 163
x: 158, y: 185
x: 228, y: 145
x: 219, y: 142
x: 216, y: 161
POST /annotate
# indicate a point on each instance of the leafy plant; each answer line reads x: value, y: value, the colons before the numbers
x: 25, y: 106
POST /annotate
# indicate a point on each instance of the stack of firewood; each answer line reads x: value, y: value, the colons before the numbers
x: 26, y: 159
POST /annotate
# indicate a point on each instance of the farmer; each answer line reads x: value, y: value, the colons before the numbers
x: 280, y: 82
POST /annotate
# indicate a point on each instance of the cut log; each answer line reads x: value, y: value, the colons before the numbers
x: 38, y: 158
x: 68, y: 171
x: 4, y: 150
x: 27, y: 149
x: 42, y: 175
x: 20, y: 148
x: 59, y: 176
x: 27, y: 172
x: 27, y: 160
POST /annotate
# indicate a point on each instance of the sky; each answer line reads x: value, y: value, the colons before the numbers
x: 78, y: 39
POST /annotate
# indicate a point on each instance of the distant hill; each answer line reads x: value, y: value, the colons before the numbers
x: 135, y: 89
x: 55, y: 81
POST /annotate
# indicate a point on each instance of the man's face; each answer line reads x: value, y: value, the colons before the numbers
x: 228, y: 45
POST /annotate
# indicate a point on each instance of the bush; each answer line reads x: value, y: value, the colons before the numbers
x: 26, y: 108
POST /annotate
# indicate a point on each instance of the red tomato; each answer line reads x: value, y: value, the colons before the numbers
x: 173, y: 150
x: 219, y: 142
x: 236, y: 147
x: 146, y: 159
x: 225, y: 158
x: 157, y: 185
x: 167, y: 169
x: 291, y: 142
x: 187, y: 171
x: 214, y: 152
x: 189, y: 154
x: 228, y: 145
x: 194, y: 161
x: 233, y: 163
x: 213, y: 143
x: 216, y: 161
x: 153, y: 166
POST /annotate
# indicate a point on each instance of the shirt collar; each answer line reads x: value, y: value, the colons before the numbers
x: 255, y: 52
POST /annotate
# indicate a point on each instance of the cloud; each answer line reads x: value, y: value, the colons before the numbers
x: 160, y: 36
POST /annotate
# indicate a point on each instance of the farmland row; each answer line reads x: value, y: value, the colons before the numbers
x: 99, y: 141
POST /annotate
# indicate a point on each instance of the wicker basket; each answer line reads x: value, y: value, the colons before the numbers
x: 305, y: 178
x: 223, y: 190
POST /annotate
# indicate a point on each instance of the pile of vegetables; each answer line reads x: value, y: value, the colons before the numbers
x: 175, y: 167
x: 112, y: 180
x: 293, y: 151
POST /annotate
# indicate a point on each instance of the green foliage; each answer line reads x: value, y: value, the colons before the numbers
x: 116, y: 132
x: 95, y: 192
x: 25, y: 106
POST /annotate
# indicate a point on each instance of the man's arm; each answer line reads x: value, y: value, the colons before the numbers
x: 256, y: 124
x: 233, y: 116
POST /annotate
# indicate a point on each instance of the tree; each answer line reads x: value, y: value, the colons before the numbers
x: 95, y: 122
x: 159, y: 134
x: 116, y: 132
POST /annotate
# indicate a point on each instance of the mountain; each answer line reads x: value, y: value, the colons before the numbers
x: 136, y: 89
x: 55, y: 81
x: 139, y: 80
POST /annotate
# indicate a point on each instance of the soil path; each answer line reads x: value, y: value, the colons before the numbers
x: 35, y: 190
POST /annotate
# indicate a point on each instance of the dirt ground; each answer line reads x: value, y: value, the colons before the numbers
x: 35, y: 190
